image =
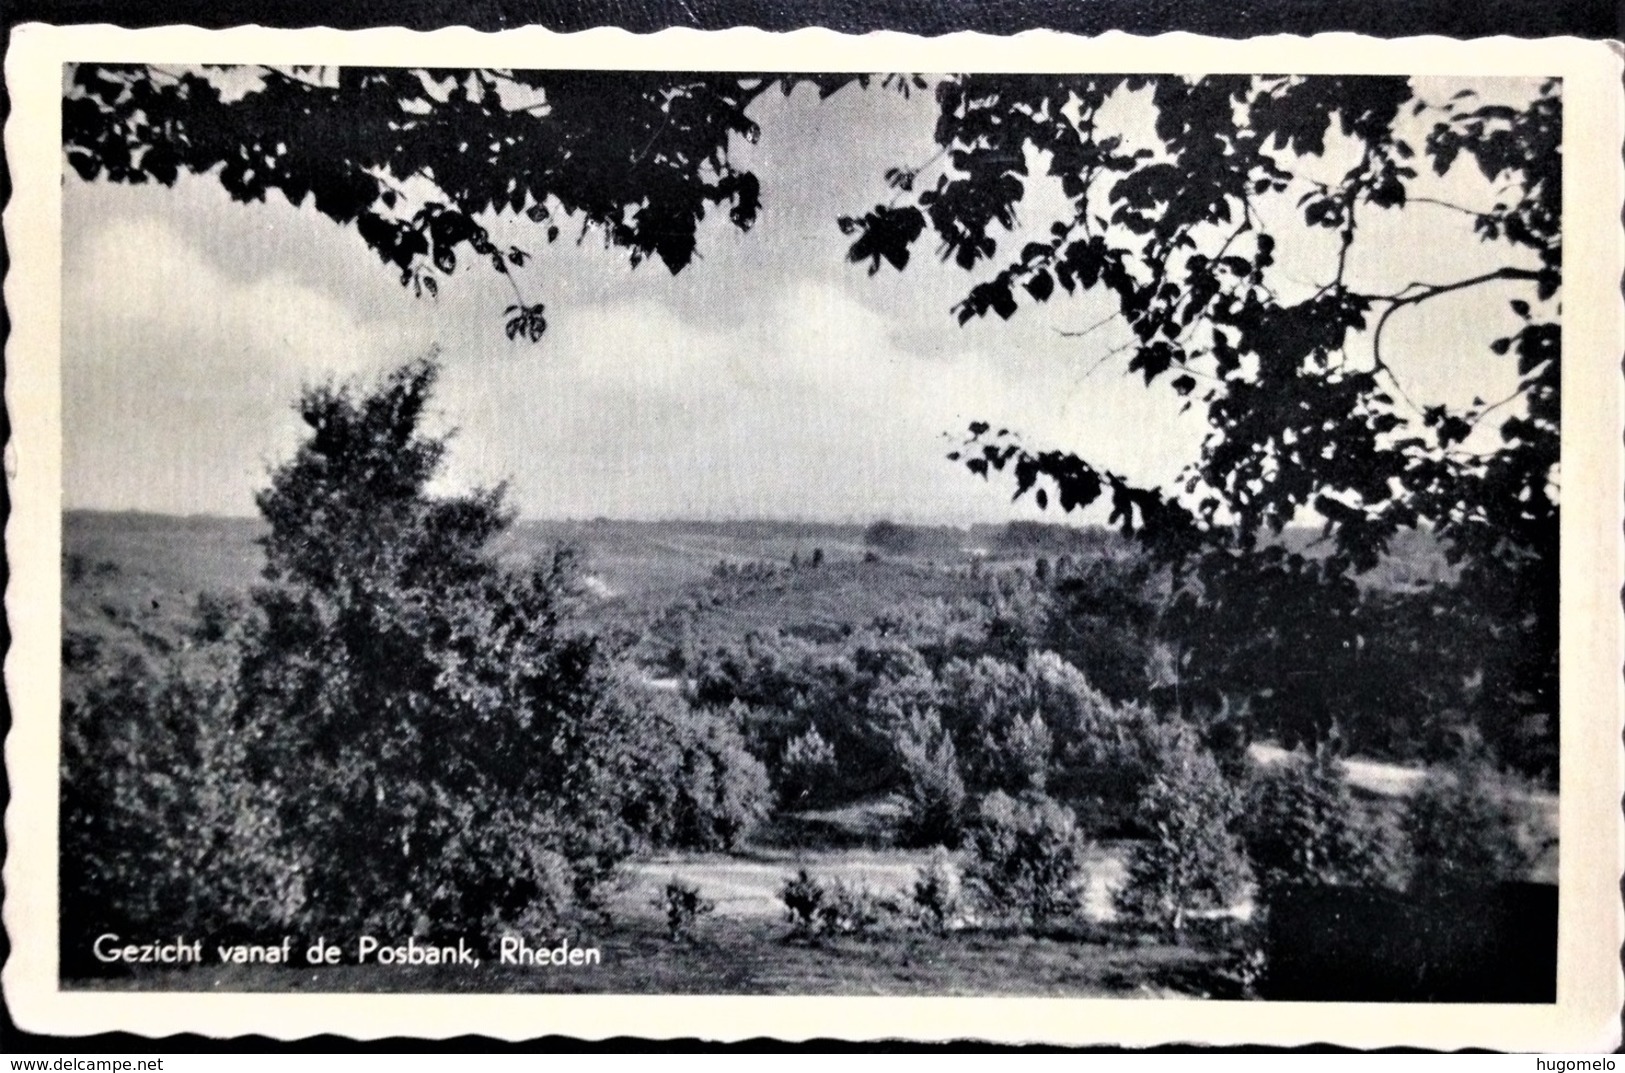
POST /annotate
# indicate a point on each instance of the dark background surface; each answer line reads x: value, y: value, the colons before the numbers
x: 1224, y: 18
x: 1596, y: 19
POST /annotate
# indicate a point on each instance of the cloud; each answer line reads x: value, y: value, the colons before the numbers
x: 178, y: 375
x: 805, y: 404
x: 735, y: 389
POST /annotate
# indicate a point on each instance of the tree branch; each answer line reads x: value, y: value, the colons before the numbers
x: 1403, y: 297
x: 1101, y: 323
x: 1447, y: 205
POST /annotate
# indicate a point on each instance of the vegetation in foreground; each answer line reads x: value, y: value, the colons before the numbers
x: 400, y: 731
x: 729, y: 956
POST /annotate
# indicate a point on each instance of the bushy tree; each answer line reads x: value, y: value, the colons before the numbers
x: 1173, y: 217
x: 1102, y: 619
x: 161, y: 828
x: 936, y: 892
x: 806, y: 771
x: 1030, y: 726
x: 891, y: 538
x: 556, y: 146
x: 1463, y: 828
x: 1176, y: 223
x: 1087, y: 726
x: 1019, y: 754
x: 939, y: 630
x: 1301, y: 825
x: 699, y: 787
x: 805, y: 897
x: 433, y: 731
x: 981, y: 701
x: 683, y: 906
x: 933, y: 791
x: 1025, y: 858
x: 796, y: 685
x: 1190, y: 858
x: 1018, y: 614
x: 1103, y: 752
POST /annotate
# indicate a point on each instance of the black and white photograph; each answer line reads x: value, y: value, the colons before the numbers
x: 658, y: 531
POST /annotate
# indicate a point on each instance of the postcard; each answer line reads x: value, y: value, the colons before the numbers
x: 736, y: 534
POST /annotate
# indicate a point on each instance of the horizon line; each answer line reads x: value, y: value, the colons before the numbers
x: 1059, y: 521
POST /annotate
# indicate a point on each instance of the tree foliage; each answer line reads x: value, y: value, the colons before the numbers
x: 1026, y: 858
x: 1177, y: 219
x: 1169, y: 226
x: 1301, y: 825
x: 699, y: 787
x: 427, y: 729
x: 424, y: 163
x: 806, y: 771
x: 1464, y: 828
x: 1192, y: 859
x: 1306, y: 414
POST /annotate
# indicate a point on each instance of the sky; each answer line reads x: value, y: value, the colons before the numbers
x: 769, y: 379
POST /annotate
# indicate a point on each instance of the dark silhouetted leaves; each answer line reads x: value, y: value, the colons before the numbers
x: 526, y: 322
x: 1306, y: 415
x: 884, y: 233
x: 637, y: 158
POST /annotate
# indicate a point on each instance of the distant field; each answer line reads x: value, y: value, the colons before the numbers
x: 144, y: 572
x: 134, y: 575
x: 625, y: 558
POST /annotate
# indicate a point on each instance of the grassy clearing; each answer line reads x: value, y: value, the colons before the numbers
x: 733, y: 956
x: 743, y: 948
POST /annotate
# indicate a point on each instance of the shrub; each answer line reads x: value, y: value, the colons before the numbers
x: 979, y: 702
x: 684, y: 907
x: 1102, y: 618
x: 822, y: 909
x: 855, y: 909
x: 1041, y: 726
x: 1463, y: 829
x: 936, y: 892
x: 1104, y: 753
x: 933, y: 793
x: 160, y: 825
x: 725, y: 793
x: 1301, y: 825
x: 1080, y: 717
x: 803, y: 896
x: 806, y: 771
x: 1017, y: 756
x: 1192, y: 860
x: 742, y: 793
x: 891, y: 538
x: 1026, y: 858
